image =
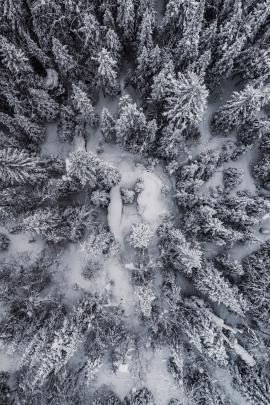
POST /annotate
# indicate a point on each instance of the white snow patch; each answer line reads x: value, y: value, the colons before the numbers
x: 159, y: 381
x: 8, y: 362
x: 78, y: 143
x: 152, y: 204
x: 52, y: 144
x: 121, y: 288
x: 51, y: 79
x: 245, y: 356
x: 115, y: 209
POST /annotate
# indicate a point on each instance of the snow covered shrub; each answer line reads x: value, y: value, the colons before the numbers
x: 145, y: 296
x: 105, y: 396
x: 139, y: 186
x: 4, y: 241
x: 141, y: 396
x: 100, y: 198
x: 108, y: 176
x: 128, y: 196
x: 100, y: 243
x: 232, y: 178
x: 91, y: 267
x: 140, y: 236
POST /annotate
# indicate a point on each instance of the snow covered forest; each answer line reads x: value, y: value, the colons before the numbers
x: 134, y: 202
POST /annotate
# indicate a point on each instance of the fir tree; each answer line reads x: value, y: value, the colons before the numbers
x: 131, y: 127
x: 83, y: 105
x: 126, y: 17
x: 211, y: 283
x: 239, y: 108
x: 65, y: 62
x: 14, y: 58
x: 82, y: 166
x: 43, y: 105
x: 113, y: 44
x: 106, y: 73
x: 187, y: 103
x: 18, y: 167
x: 107, y: 126
x: 146, y: 30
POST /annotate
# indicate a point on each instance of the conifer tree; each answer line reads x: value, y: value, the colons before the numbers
x: 211, y: 283
x: 187, y: 103
x: 18, y: 167
x: 82, y: 166
x: 126, y: 17
x: 43, y: 105
x: 83, y: 105
x: 65, y: 62
x: 131, y: 127
x: 14, y: 58
x: 146, y: 29
x: 256, y: 19
x: 113, y: 44
x: 91, y: 31
x: 107, y: 125
x: 187, y: 48
x: 106, y: 73
x: 240, y: 108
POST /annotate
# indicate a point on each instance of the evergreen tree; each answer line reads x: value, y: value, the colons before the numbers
x: 252, y: 384
x: 14, y: 58
x: 107, y: 125
x: 202, y: 332
x: 187, y: 48
x: 33, y: 131
x: 211, y: 283
x: 18, y: 167
x: 108, y: 176
x: 66, y: 127
x: 100, y: 243
x: 11, y: 12
x: 83, y: 105
x: 187, y: 103
x: 65, y: 62
x: 106, y: 73
x: 163, y: 83
x: 149, y: 63
x: 131, y: 127
x: 146, y: 30
x: 91, y: 31
x: 4, y: 241
x: 126, y: 17
x: 43, y: 105
x: 177, y: 252
x: 256, y: 19
x: 113, y: 44
x: 58, y: 226
x: 240, y: 108
x: 82, y: 166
